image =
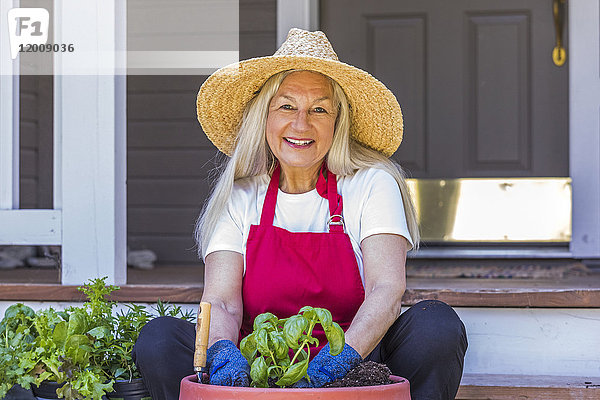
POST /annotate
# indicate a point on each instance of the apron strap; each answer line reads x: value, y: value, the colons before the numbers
x: 327, y: 190
x: 268, y: 211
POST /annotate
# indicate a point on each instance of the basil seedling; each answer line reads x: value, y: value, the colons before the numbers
x: 269, y: 346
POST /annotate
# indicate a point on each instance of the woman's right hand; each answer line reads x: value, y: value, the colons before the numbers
x: 227, y: 365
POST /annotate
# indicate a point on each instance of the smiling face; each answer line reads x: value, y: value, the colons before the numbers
x: 301, y: 122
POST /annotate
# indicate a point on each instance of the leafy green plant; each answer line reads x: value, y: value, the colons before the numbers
x: 268, y: 347
x: 49, y: 345
x: 17, y: 333
x: 63, y: 352
x: 165, y: 309
x: 87, y: 348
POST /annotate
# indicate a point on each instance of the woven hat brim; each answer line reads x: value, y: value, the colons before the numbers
x: 376, y: 117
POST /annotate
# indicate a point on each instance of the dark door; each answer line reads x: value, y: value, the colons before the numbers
x: 480, y: 93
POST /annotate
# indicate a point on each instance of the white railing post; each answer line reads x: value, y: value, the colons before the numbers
x: 90, y: 132
x: 584, y: 126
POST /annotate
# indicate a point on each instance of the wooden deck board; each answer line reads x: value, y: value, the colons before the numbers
x: 184, y: 284
x: 542, y: 387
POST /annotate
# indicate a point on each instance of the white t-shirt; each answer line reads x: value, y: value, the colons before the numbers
x: 372, y: 205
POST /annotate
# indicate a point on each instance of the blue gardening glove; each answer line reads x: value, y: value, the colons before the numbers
x: 325, y: 368
x: 227, y: 366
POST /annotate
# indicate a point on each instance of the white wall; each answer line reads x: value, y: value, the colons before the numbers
x: 534, y: 341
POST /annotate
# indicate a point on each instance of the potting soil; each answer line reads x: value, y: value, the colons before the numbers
x: 368, y: 373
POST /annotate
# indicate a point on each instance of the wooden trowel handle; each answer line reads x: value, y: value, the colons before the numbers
x: 202, y: 330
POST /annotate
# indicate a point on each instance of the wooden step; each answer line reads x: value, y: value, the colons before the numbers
x: 530, y: 387
x: 181, y: 284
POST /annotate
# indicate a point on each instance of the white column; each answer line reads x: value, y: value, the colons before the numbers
x: 584, y: 126
x: 90, y: 132
x: 303, y: 14
x: 9, y: 116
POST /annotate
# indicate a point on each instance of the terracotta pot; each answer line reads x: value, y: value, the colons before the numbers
x: 191, y: 390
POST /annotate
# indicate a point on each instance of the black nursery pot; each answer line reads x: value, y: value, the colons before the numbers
x: 46, y: 390
x: 123, y: 390
x: 129, y: 390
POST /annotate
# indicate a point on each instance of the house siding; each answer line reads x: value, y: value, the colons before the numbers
x: 35, y: 155
x: 168, y: 156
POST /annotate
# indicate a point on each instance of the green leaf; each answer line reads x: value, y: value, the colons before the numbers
x: 335, y: 337
x: 308, y: 312
x: 293, y: 374
x: 274, y: 371
x: 119, y: 372
x: 310, y: 340
x: 100, y: 389
x: 74, y: 350
x: 68, y: 392
x: 262, y: 342
x: 258, y: 372
x: 248, y: 347
x: 77, y: 323
x: 63, y: 314
x: 279, y: 346
x: 43, y: 376
x: 302, y: 356
x: 305, y: 309
x: 99, y: 332
x: 260, y: 320
x: 292, y: 330
x: 19, y: 308
x: 286, y: 362
x: 324, y: 317
x: 60, y: 334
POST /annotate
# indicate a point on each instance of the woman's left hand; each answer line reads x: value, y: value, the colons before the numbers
x: 325, y: 368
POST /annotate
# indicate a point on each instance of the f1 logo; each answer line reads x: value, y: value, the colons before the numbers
x: 27, y: 26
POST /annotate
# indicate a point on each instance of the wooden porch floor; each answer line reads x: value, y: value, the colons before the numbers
x: 184, y: 284
x: 531, y: 387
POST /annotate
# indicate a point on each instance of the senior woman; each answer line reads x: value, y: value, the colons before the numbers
x: 309, y: 210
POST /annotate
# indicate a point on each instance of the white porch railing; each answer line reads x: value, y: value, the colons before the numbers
x: 88, y: 218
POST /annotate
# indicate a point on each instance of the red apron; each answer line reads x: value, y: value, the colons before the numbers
x: 288, y: 270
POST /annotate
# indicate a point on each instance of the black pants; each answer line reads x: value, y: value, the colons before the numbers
x: 426, y: 345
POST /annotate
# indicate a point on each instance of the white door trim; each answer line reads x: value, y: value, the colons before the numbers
x: 303, y: 14
x: 584, y: 125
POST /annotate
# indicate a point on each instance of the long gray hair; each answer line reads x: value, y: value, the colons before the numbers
x: 252, y: 157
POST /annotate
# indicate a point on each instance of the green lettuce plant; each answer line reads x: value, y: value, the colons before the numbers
x: 86, y: 348
x: 17, y: 333
x: 269, y: 346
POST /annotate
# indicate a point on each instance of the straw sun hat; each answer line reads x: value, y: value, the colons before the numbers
x: 376, y: 118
